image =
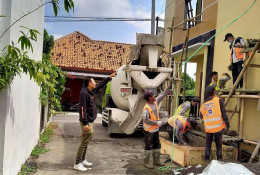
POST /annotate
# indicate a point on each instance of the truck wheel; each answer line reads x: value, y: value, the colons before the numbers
x: 109, y: 131
x: 111, y: 134
x: 104, y: 124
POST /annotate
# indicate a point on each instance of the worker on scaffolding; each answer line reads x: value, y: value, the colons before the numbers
x: 151, y: 124
x: 220, y: 83
x: 214, y: 118
x: 182, y: 126
x: 236, y: 58
x: 184, y: 108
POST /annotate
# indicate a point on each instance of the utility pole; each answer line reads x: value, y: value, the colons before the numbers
x: 157, y: 24
x: 153, y: 17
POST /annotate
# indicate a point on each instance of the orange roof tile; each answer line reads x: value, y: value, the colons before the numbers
x: 77, y: 51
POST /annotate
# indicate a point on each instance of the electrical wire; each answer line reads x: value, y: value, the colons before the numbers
x: 201, y: 10
x: 163, y: 168
x: 209, y: 5
x: 166, y: 8
x: 179, y: 3
x: 96, y: 19
x: 217, y: 34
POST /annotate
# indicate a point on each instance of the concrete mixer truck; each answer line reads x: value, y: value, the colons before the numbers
x: 143, y: 72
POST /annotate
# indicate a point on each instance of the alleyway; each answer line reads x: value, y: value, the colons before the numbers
x: 122, y: 155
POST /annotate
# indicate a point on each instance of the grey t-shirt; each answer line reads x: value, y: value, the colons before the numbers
x: 185, y: 107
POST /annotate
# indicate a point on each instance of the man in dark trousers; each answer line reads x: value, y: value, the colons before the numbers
x: 236, y: 58
x: 214, y: 118
x: 87, y: 115
x: 151, y: 124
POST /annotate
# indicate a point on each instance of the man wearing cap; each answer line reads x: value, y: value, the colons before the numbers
x: 236, y: 58
x: 182, y: 126
x: 220, y: 83
x: 151, y: 124
x: 184, y: 108
x: 214, y: 118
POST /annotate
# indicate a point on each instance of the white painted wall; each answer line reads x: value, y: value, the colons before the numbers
x: 20, y: 104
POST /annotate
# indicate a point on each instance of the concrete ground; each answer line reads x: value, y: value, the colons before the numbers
x: 120, y: 155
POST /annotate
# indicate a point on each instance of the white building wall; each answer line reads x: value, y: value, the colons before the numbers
x: 20, y: 104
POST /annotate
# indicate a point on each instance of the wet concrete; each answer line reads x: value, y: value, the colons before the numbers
x: 120, y: 155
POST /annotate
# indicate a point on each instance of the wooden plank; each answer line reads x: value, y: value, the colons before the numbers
x: 258, y: 106
x: 241, y: 96
x: 240, y: 90
x: 242, y: 73
x: 186, y: 155
x: 255, y: 152
x: 254, y: 65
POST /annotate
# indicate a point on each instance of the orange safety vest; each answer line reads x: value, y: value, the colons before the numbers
x: 183, y: 120
x: 239, y: 55
x: 148, y: 127
x: 212, y: 117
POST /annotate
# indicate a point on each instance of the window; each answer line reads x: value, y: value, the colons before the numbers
x: 190, y: 13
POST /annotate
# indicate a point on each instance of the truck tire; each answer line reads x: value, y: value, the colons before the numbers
x: 109, y: 132
x: 104, y: 124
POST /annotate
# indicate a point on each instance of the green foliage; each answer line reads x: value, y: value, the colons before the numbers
x: 37, y: 150
x: 53, y: 85
x: 27, y: 169
x: 190, y: 93
x: 48, y: 43
x: 190, y: 84
x: 51, y: 78
x: 107, y: 91
x: 68, y: 5
x: 14, y: 61
x: 46, y: 135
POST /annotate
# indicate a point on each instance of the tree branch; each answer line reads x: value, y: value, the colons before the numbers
x: 23, y: 17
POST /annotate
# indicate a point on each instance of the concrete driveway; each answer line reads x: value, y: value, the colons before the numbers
x: 120, y: 155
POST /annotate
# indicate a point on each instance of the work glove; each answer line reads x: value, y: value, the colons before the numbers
x: 159, y: 123
x: 228, y: 127
x: 230, y: 67
x: 191, y: 140
x: 184, y: 144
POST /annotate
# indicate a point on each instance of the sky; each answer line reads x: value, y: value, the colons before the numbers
x: 123, y: 32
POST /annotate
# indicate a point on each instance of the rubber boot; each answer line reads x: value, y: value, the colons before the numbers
x: 146, y: 159
x: 156, y: 158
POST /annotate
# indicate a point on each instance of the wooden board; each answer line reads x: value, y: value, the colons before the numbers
x: 186, y: 155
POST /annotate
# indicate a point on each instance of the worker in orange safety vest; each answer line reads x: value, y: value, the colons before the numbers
x: 182, y: 126
x: 214, y: 118
x: 151, y: 124
x: 236, y: 58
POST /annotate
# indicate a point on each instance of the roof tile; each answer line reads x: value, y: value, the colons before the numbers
x: 78, y: 51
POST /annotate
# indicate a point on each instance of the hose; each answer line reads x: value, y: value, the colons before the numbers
x: 164, y: 168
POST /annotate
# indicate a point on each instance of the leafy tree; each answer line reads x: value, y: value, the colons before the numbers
x: 53, y: 88
x: 48, y: 43
x: 189, y: 85
x: 14, y: 60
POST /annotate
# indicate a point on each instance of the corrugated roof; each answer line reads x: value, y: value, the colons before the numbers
x: 78, y: 51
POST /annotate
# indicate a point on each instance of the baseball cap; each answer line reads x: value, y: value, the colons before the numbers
x: 227, y: 35
x: 210, y: 89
